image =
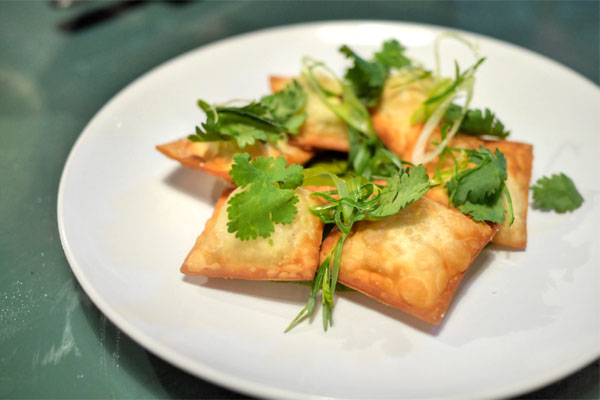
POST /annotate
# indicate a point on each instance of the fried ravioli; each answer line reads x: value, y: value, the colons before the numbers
x: 413, y: 260
x: 519, y: 159
x: 400, y: 98
x: 290, y: 253
x: 216, y: 158
x: 322, y: 128
x: 392, y: 122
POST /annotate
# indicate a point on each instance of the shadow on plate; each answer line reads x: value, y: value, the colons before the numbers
x: 283, y: 292
x: 391, y: 312
x: 297, y: 293
x: 197, y: 184
x: 476, y: 268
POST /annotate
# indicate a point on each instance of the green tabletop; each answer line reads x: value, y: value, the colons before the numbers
x: 59, y: 66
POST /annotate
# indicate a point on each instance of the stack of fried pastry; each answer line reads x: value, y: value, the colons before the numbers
x: 413, y: 260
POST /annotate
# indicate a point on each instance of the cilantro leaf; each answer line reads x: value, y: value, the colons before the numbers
x: 370, y: 158
x: 392, y: 55
x: 210, y: 131
x: 478, y: 183
x: 246, y: 125
x: 491, y: 209
x: 368, y: 77
x: 268, y: 197
x: 266, y: 120
x: 477, y: 122
x: 477, y: 191
x: 286, y: 106
x: 556, y: 193
x: 401, y: 191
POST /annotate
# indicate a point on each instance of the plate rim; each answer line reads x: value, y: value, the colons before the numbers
x: 231, y: 381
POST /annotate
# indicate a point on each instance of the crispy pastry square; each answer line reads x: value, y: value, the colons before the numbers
x: 291, y: 253
x: 401, y: 97
x: 391, y: 120
x: 413, y: 260
x: 519, y: 160
x: 322, y: 128
x: 216, y: 158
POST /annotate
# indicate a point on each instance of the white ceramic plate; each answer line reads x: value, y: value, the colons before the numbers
x: 128, y: 216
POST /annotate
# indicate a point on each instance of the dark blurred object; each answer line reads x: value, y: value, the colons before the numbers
x: 97, y: 15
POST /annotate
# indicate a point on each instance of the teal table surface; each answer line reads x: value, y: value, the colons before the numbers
x: 58, y: 66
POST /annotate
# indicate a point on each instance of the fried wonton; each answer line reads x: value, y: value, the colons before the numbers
x: 322, y: 128
x: 216, y: 158
x: 402, y: 95
x: 413, y: 260
x: 519, y: 159
x: 290, y: 253
x: 392, y: 122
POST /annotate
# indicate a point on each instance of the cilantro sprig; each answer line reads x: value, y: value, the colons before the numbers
x: 269, y: 119
x: 478, y: 191
x: 354, y: 199
x: 557, y: 192
x: 476, y: 122
x: 368, y: 77
x: 268, y: 197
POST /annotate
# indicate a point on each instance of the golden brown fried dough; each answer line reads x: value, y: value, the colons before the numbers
x: 322, y: 128
x: 291, y: 253
x: 392, y: 117
x: 413, y: 260
x: 391, y: 120
x: 519, y: 160
x: 216, y: 158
